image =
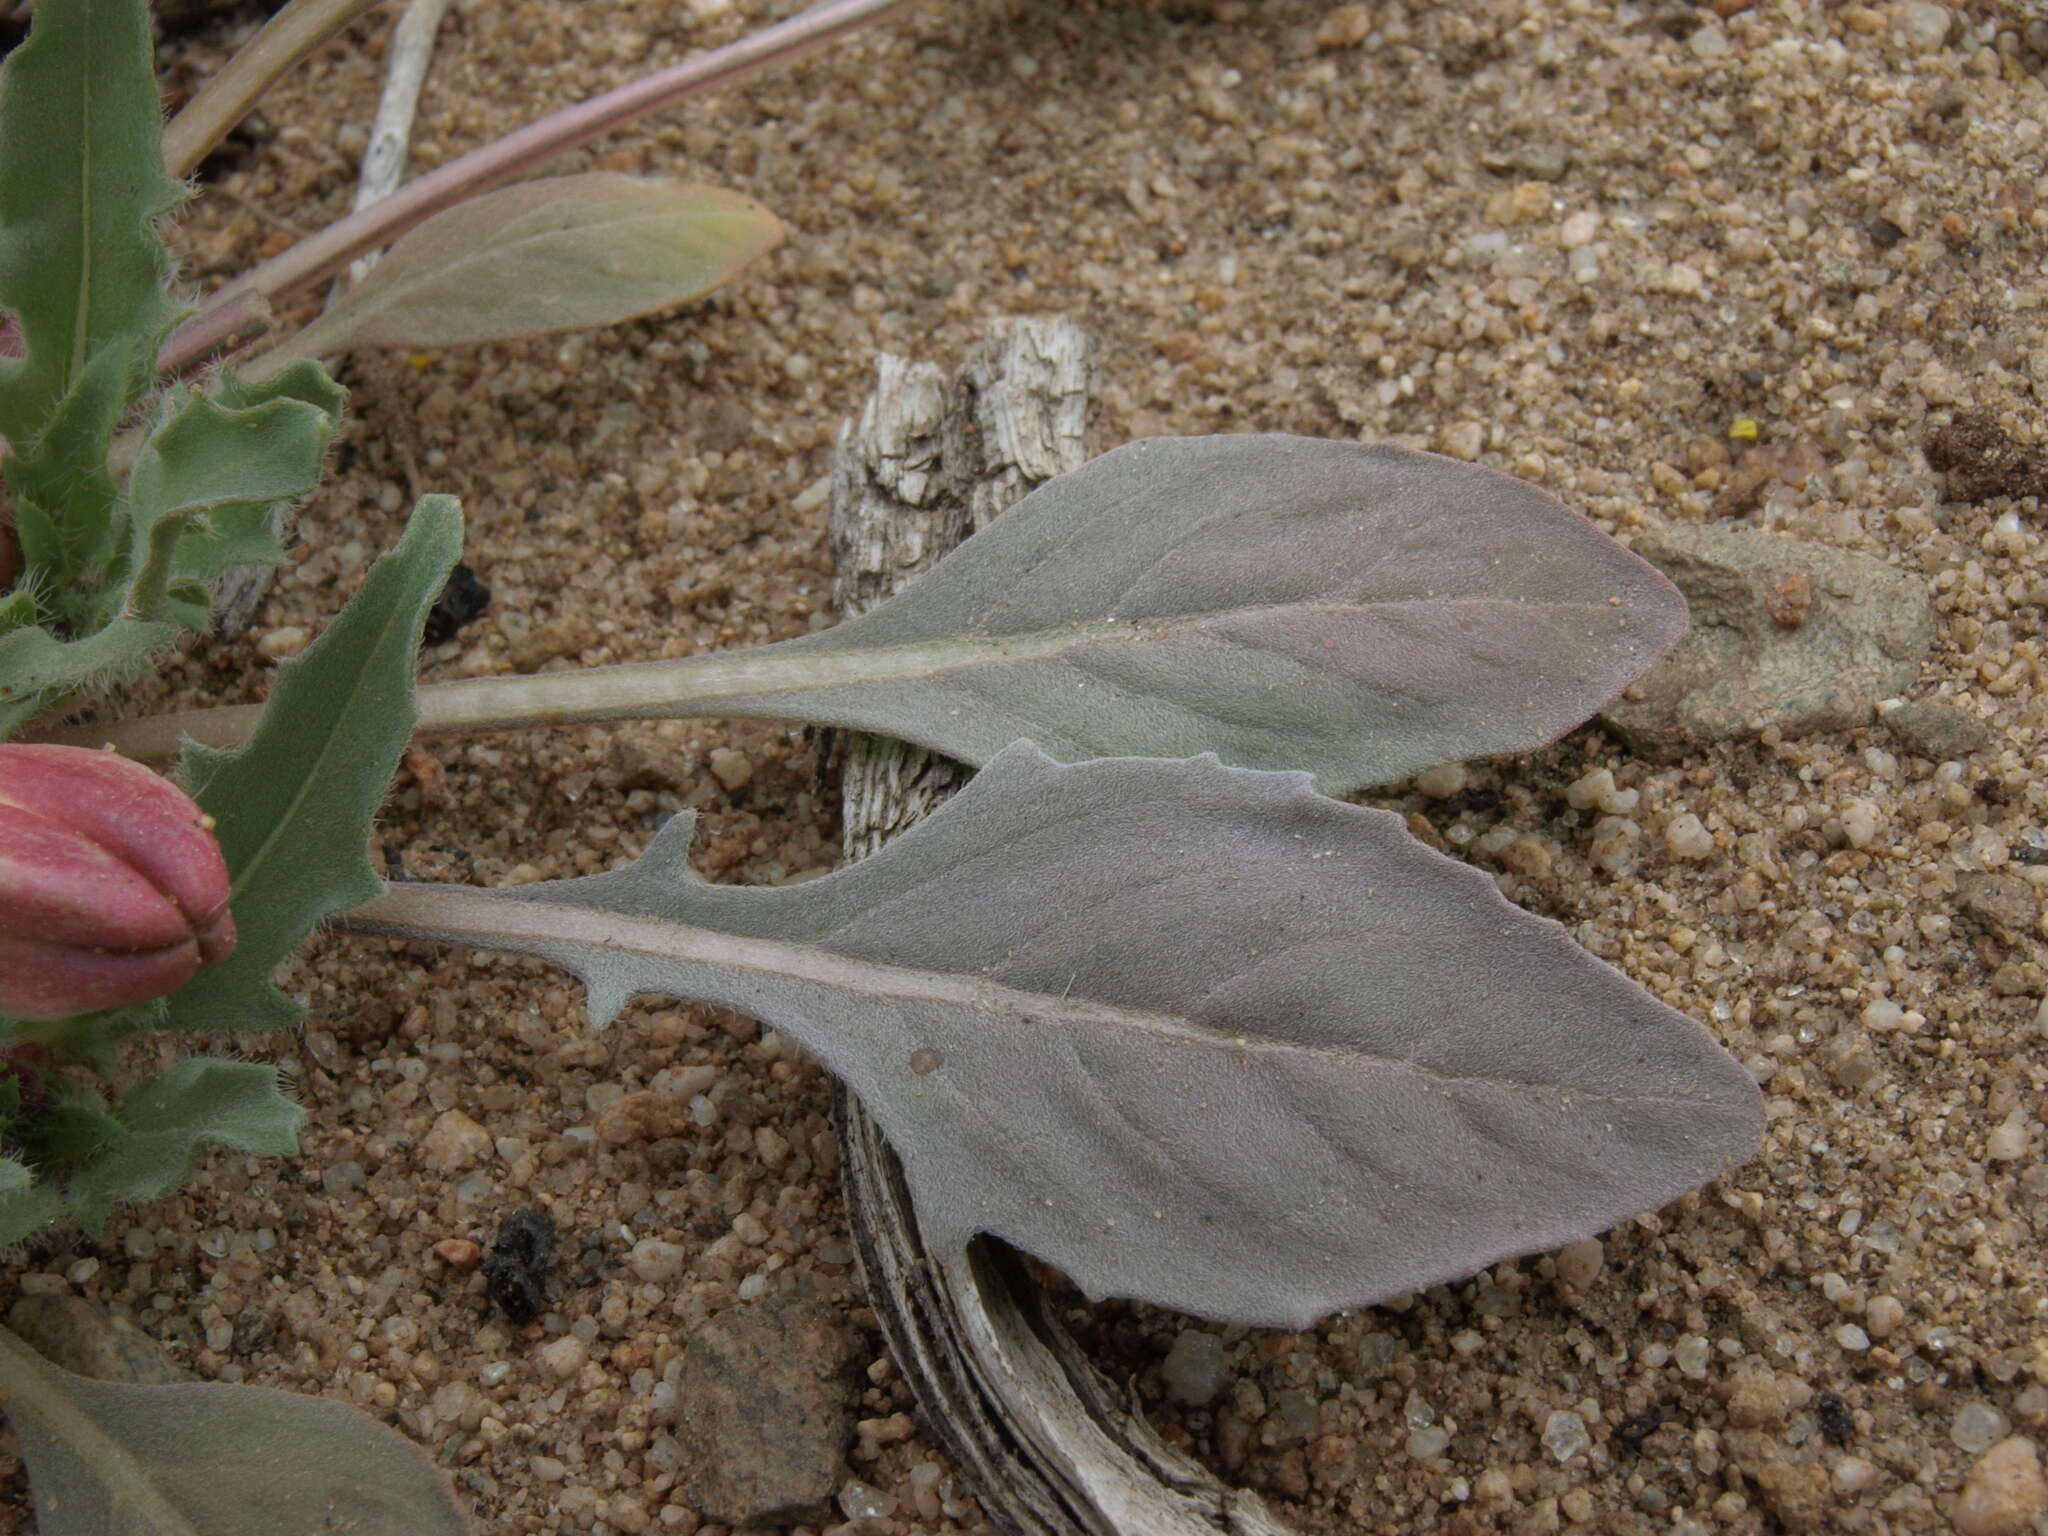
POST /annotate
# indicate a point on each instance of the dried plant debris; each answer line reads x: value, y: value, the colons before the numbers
x: 462, y: 601
x: 1983, y: 461
x: 516, y: 1268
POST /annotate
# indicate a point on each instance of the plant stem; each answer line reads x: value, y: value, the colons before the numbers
x: 33, y: 1391
x: 773, y: 682
x: 320, y: 256
x: 226, y: 99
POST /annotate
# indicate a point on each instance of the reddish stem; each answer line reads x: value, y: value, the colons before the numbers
x: 321, y: 255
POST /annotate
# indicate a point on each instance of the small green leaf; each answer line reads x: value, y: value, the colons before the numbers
x: 166, y: 1124
x: 247, y: 534
x: 81, y: 180
x: 63, y: 474
x: 209, y: 1459
x: 25, y: 1207
x: 17, y: 610
x: 563, y: 254
x: 293, y: 807
x: 75, y: 1133
x: 207, y: 463
x: 39, y: 672
x: 305, y: 381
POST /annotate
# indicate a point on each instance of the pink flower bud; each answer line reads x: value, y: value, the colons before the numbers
x: 112, y: 889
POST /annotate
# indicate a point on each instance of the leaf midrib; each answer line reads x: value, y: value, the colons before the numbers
x: 467, y: 915
x: 323, y: 756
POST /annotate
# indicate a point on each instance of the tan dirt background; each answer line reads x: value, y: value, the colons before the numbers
x: 1578, y: 241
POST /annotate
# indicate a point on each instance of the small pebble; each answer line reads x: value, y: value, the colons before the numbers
x: 1853, y: 1474
x: 860, y: 1501
x: 287, y: 640
x: 562, y: 1358
x: 1194, y: 1369
x: 1579, y: 1264
x: 1442, y: 782
x: 1692, y: 1354
x: 2004, y: 1494
x: 1923, y: 25
x: 454, y: 1142
x: 460, y: 1253
x: 1861, y: 823
x: 1564, y: 1434
x: 730, y: 768
x: 657, y: 1262
x: 1686, y: 837
x: 2009, y: 1140
x: 1597, y: 791
x: 1579, y: 229
x: 1430, y: 1440
x: 1978, y: 1426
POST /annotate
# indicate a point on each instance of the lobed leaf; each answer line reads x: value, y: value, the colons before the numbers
x: 208, y: 1459
x: 64, y: 493
x: 1197, y: 1035
x: 207, y: 486
x: 566, y: 253
x: 39, y: 672
x: 27, y: 1205
x: 88, y: 1158
x: 165, y: 1125
x: 293, y: 806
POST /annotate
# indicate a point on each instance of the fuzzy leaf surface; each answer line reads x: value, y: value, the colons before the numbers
x: 38, y: 671
x: 163, y: 1127
x: 207, y: 483
x: 1361, y: 611
x: 81, y: 179
x: 565, y: 253
x: 112, y: 1458
x: 64, y: 492
x: 293, y: 806
x: 1197, y: 1035
x: 90, y: 1158
x: 245, y: 533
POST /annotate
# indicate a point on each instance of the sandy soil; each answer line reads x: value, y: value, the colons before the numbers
x: 1579, y: 241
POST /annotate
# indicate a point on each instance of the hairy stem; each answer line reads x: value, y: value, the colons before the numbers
x: 322, y: 255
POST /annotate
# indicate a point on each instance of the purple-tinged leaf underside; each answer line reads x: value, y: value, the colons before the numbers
x: 1197, y: 1035
x: 1361, y: 611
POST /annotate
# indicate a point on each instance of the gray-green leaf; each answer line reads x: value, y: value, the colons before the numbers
x: 1361, y: 611
x: 566, y: 253
x: 207, y: 1459
x: 1196, y: 1034
x: 293, y: 807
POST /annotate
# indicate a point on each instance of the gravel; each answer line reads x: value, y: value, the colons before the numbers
x: 1613, y: 250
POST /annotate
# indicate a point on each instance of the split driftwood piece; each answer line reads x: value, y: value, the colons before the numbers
x: 1051, y: 1446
